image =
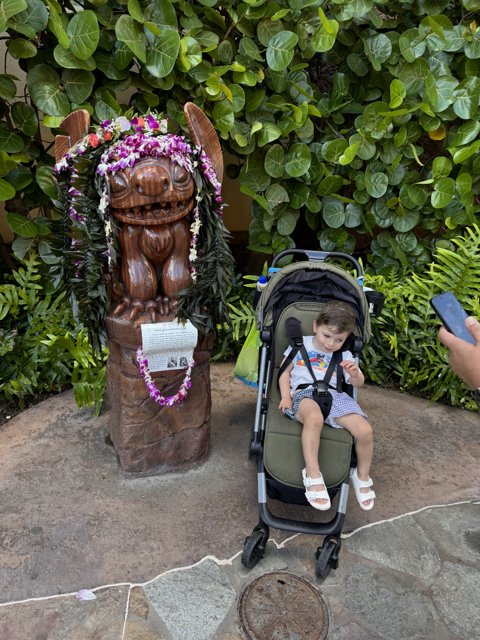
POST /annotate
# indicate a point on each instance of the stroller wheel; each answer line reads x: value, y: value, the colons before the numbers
x: 254, y: 547
x: 327, y: 557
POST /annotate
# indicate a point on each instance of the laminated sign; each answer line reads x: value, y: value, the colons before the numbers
x: 168, y: 345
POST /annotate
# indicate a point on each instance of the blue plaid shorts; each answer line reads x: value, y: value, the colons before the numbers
x: 341, y: 405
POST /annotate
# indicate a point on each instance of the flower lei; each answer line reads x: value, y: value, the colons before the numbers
x: 90, y: 233
x: 164, y: 401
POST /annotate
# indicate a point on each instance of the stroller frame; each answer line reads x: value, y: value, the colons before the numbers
x: 255, y: 544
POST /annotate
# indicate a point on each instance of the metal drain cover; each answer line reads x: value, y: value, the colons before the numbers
x: 282, y: 606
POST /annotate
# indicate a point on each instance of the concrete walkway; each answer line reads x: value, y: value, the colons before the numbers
x: 161, y: 554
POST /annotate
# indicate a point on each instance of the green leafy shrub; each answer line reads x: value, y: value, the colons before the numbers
x: 404, y: 350
x: 354, y: 124
x: 42, y: 351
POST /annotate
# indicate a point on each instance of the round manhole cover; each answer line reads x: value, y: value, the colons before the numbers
x: 282, y: 606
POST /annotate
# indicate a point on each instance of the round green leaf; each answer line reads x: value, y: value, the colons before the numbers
x: 299, y: 194
x: 238, y: 97
x: 8, y: 88
x: 223, y: 117
x: 465, y: 133
x: 406, y: 221
x: 358, y: 64
x: 287, y: 222
x: 353, y: 215
x: 412, y: 196
x: 349, y: 154
x: 46, y: 90
x: 31, y: 20
x: 397, y: 93
x: 10, y: 141
x: 268, y: 133
x: 9, y: 9
x: 466, y: 98
x: 280, y: 50
x: 78, y: 84
x: 464, y: 183
x: 20, y: 225
x: 333, y: 212
x: 276, y: 194
x: 332, y: 150
x: 84, y: 34
x: 440, y: 91
x: 249, y: 49
x: 20, y: 48
x: 407, y: 241
x: 365, y: 150
x: 412, y: 45
x: 131, y: 33
x: 414, y: 75
x: 298, y: 160
x: 324, y: 39
x: 66, y: 60
x: 441, y: 167
x: 162, y: 54
x: 266, y: 29
x: 225, y: 52
x: 253, y: 175
x: 378, y: 49
x: 314, y: 204
x: 25, y: 118
x: 382, y: 214
x: 275, y: 161
x: 376, y: 184
x: 108, y: 64
x: 44, y: 177
x: 20, y: 177
x: 443, y: 193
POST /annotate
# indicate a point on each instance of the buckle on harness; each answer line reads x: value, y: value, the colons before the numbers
x: 321, y: 387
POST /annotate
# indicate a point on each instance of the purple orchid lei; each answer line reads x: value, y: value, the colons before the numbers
x: 116, y: 145
x: 155, y: 395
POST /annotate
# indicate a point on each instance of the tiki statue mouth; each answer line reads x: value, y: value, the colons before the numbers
x: 154, y: 213
x: 154, y: 191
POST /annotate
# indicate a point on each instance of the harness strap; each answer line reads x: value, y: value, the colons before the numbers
x: 294, y: 332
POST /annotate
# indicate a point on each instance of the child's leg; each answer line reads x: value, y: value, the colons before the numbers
x: 311, y: 417
x: 362, y: 431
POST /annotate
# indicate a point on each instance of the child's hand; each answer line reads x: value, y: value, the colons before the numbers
x: 356, y: 376
x: 351, y: 367
x: 285, y: 404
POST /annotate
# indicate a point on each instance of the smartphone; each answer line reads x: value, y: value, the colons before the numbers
x: 452, y: 314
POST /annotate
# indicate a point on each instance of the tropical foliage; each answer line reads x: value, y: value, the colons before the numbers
x: 354, y: 123
x: 404, y: 350
x: 42, y: 350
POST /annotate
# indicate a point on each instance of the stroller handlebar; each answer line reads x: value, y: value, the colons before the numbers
x: 320, y: 256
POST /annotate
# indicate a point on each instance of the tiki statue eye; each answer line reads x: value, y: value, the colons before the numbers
x: 118, y: 183
x: 180, y: 175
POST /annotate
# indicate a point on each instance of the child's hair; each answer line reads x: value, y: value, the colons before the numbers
x: 339, y: 315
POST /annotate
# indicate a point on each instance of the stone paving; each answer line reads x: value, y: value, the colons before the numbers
x: 428, y: 588
x: 162, y: 554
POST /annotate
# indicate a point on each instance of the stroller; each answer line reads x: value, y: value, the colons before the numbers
x: 298, y: 290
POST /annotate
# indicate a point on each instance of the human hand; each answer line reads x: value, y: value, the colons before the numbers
x: 464, y: 357
x: 351, y: 367
x: 285, y: 404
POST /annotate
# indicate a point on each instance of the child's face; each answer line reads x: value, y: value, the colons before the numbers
x: 328, y: 338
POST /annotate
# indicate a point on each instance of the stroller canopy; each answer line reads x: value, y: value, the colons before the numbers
x: 316, y: 282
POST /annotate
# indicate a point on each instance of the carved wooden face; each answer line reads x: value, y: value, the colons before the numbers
x: 154, y: 191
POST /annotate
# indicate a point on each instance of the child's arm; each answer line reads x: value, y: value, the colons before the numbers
x: 284, y: 385
x: 356, y: 376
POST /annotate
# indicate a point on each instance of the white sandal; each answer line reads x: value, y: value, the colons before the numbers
x: 361, y: 484
x: 316, y: 495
